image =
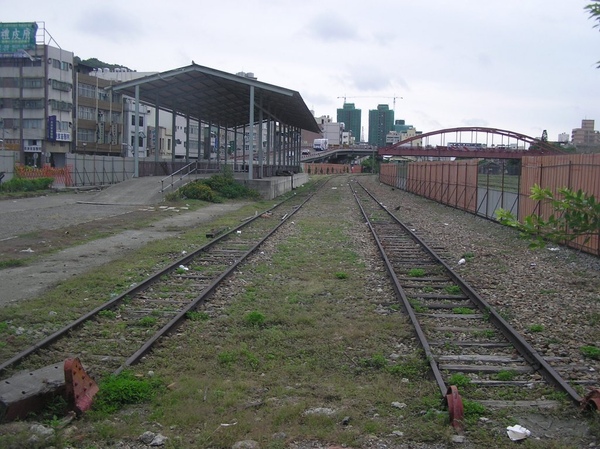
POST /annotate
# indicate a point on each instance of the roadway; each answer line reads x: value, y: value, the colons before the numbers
x: 336, y: 153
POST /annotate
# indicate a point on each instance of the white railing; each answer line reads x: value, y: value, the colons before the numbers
x: 178, y: 176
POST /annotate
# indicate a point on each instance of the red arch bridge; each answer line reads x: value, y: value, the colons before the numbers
x: 470, y: 142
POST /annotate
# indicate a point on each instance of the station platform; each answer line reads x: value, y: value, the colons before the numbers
x: 147, y: 190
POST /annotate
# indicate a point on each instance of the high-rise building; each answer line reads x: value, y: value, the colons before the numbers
x: 381, y: 122
x: 350, y: 117
x: 36, y: 107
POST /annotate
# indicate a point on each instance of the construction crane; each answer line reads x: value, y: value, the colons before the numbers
x: 375, y: 96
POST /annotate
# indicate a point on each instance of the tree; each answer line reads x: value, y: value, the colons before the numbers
x: 575, y: 215
x: 593, y: 10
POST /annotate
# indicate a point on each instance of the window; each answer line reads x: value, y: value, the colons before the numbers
x: 9, y: 82
x: 31, y: 83
x: 32, y: 103
x: 60, y: 105
x: 86, y: 135
x: 60, y: 85
x: 31, y: 123
x: 140, y: 141
x: 13, y: 123
x: 86, y: 90
x: 86, y: 113
x: 141, y: 120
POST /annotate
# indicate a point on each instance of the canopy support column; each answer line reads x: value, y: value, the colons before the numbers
x: 251, y: 145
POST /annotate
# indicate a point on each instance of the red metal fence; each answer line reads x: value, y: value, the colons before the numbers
x: 451, y: 183
x: 330, y: 169
x: 62, y: 176
x: 575, y: 172
x: 455, y: 183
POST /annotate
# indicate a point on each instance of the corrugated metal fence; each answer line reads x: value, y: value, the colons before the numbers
x: 461, y: 184
x: 576, y: 171
x: 8, y: 159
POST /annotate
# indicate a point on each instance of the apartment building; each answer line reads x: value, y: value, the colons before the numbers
x: 36, y: 102
x: 99, y: 115
x: 586, y: 135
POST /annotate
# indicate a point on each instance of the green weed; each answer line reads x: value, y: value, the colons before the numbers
x: 506, y: 376
x: 194, y: 315
x: 147, y: 321
x: 11, y: 263
x: 110, y: 314
x: 460, y: 380
x: 462, y: 311
x: 591, y: 352
x: 416, y: 272
x: 125, y: 388
x: 453, y: 289
x: 254, y: 319
x: 376, y: 361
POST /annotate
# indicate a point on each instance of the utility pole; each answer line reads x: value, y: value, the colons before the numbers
x: 3, y: 132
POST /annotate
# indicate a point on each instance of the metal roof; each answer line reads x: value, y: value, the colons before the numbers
x: 218, y: 97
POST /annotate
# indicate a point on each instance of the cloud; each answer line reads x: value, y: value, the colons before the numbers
x: 329, y: 27
x: 111, y: 25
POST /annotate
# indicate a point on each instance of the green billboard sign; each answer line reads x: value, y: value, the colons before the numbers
x: 15, y: 37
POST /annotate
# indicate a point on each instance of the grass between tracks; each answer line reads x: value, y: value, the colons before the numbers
x: 304, y: 343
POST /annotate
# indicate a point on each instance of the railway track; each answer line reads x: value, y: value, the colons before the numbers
x: 468, y: 345
x: 118, y: 333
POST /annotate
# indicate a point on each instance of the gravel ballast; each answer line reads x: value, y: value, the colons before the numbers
x: 556, y: 287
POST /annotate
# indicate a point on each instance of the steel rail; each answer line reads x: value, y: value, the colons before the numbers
x: 523, y: 347
x: 181, y: 316
x: 141, y: 286
x: 400, y: 293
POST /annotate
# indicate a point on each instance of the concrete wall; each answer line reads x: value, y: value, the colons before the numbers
x: 273, y: 187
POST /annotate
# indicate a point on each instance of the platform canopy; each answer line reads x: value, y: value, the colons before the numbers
x: 219, y: 98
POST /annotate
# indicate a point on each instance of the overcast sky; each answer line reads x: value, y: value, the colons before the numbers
x: 520, y: 65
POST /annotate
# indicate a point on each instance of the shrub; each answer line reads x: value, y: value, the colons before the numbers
x: 216, y: 187
x: 197, y: 190
x: 26, y: 185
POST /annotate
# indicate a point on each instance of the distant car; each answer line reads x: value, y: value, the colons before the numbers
x: 305, y: 151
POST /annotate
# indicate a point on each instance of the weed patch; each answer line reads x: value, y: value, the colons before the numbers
x: 125, y: 388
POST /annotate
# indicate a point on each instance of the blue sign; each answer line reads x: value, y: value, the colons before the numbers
x: 52, y: 128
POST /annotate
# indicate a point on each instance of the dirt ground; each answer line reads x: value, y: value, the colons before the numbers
x: 53, y: 240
